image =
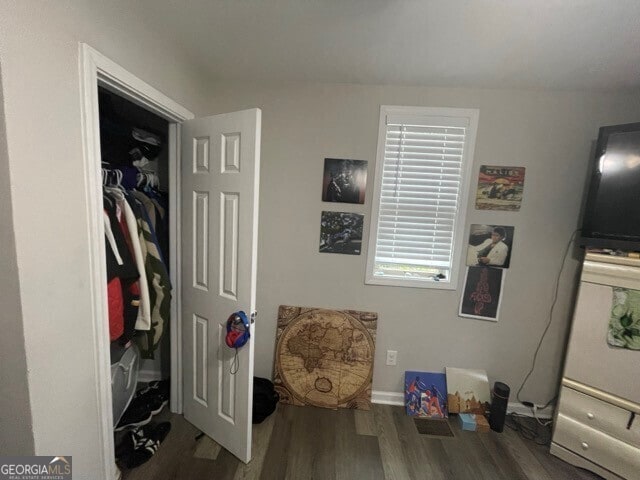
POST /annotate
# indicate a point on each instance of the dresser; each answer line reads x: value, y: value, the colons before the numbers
x: 597, y: 424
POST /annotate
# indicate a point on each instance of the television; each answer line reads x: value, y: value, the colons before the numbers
x: 612, y: 211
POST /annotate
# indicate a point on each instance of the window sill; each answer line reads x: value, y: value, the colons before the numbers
x: 410, y: 283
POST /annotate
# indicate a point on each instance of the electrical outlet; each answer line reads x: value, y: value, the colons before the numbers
x: 392, y: 357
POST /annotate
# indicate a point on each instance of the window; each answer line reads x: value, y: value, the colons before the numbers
x: 421, y: 187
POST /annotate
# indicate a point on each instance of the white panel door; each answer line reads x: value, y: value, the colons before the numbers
x: 219, y: 173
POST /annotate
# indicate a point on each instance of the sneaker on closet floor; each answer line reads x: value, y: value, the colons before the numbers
x: 135, y: 416
x: 146, y: 402
x: 159, y: 388
x: 142, y: 443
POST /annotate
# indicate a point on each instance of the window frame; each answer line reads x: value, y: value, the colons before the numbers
x: 472, y: 116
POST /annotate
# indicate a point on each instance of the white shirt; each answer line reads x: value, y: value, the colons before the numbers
x: 497, y: 255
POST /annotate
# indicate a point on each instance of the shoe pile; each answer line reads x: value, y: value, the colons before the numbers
x: 142, y: 438
x: 146, y: 403
x: 141, y: 443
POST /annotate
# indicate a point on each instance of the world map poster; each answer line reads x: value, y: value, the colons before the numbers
x: 324, y: 357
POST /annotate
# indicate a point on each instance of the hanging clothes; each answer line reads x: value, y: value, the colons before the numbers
x: 157, y: 277
x: 138, y: 210
x: 143, y: 319
x: 121, y: 272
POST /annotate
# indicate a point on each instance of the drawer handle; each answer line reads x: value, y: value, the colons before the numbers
x: 590, y: 416
x: 584, y: 445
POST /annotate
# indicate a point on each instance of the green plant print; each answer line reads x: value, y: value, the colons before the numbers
x: 624, y: 324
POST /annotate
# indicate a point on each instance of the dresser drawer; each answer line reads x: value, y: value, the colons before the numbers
x: 601, y: 449
x: 600, y: 415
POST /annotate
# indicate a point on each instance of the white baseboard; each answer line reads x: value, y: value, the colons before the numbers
x: 146, y: 376
x: 387, y: 398
x: 397, y: 398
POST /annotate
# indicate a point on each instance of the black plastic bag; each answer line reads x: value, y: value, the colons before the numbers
x: 265, y: 399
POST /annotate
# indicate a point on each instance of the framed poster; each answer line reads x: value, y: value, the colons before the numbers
x: 482, y: 293
x: 344, y: 180
x: 490, y: 245
x: 500, y: 188
x: 341, y: 232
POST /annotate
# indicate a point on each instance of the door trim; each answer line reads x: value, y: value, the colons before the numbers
x: 96, y: 69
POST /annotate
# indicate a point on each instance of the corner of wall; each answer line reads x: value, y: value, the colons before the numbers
x: 16, y: 427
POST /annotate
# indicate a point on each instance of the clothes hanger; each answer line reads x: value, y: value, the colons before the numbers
x: 115, y: 188
x: 119, y: 177
x: 107, y: 199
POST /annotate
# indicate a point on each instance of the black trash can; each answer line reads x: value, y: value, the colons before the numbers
x: 499, y: 406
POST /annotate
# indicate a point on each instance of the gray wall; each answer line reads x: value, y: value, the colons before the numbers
x: 16, y: 434
x: 548, y: 133
x: 39, y: 53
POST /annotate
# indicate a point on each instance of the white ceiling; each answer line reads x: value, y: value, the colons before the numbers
x: 560, y: 44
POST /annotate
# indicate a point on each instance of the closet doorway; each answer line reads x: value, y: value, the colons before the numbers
x: 212, y: 182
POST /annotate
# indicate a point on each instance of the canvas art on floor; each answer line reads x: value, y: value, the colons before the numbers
x: 425, y: 394
x: 324, y: 357
x: 468, y: 391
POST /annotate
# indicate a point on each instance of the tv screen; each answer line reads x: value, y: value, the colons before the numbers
x: 612, y: 212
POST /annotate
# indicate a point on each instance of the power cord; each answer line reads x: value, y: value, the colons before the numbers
x: 541, y: 422
x: 529, y: 429
x: 235, y: 365
x: 535, y: 356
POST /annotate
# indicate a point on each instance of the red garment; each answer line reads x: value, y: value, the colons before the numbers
x: 116, y: 309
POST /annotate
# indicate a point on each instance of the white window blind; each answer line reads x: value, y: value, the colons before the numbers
x: 420, y: 189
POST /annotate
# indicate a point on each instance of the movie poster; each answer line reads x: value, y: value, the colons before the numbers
x: 482, y: 293
x: 500, y: 188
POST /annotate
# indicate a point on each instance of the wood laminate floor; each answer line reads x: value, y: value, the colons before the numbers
x: 300, y: 443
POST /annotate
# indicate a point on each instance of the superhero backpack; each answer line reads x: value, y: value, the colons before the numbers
x: 265, y: 399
